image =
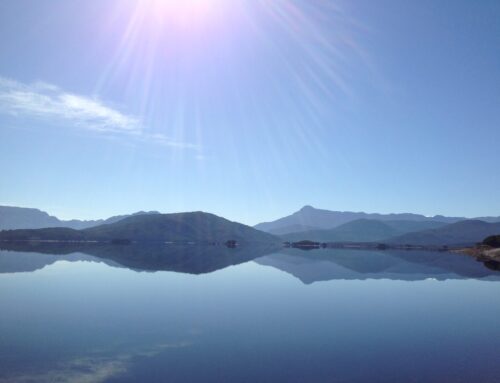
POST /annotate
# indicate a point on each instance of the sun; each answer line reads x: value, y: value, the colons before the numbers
x: 184, y: 11
x: 176, y: 5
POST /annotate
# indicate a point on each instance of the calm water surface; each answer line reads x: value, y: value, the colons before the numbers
x: 119, y: 315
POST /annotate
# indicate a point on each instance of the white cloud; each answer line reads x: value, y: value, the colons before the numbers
x: 162, y: 139
x: 95, y: 113
x: 41, y: 100
x: 44, y: 100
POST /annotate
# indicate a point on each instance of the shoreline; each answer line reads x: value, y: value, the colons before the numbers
x: 481, y: 253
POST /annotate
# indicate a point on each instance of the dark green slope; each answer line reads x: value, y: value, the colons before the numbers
x: 178, y: 227
x: 48, y: 234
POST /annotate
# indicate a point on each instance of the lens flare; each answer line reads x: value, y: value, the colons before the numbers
x: 210, y: 71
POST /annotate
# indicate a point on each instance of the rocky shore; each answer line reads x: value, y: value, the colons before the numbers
x: 488, y: 255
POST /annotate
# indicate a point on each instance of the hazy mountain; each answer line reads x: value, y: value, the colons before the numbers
x: 360, y: 230
x: 404, y: 227
x: 25, y: 218
x: 178, y: 227
x: 327, y: 219
x: 363, y: 230
x: 291, y: 229
x: 12, y: 217
x: 464, y: 233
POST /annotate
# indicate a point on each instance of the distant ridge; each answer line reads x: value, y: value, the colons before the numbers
x: 463, y: 233
x: 292, y: 229
x: 425, y: 233
x: 363, y: 230
x: 309, y: 216
x: 12, y: 218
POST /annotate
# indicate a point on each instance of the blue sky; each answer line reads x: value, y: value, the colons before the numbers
x: 250, y: 109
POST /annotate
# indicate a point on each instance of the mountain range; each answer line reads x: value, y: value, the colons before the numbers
x: 309, y: 218
x: 463, y: 233
x: 196, y: 227
x: 306, y: 224
x: 424, y: 233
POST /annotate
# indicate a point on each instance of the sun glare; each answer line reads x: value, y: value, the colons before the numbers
x: 183, y: 11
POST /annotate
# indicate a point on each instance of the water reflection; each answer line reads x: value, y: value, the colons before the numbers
x: 330, y: 264
x: 97, y: 366
x: 87, y: 315
x: 150, y: 257
x: 309, y: 267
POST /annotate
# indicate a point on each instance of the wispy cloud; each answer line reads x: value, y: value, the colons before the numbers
x: 45, y: 101
x: 48, y: 101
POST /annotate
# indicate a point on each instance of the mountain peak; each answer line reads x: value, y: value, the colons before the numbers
x: 307, y: 207
x: 145, y: 212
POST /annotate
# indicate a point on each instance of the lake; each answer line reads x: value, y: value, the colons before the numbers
x: 212, y: 314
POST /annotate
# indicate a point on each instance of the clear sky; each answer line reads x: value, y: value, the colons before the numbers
x: 250, y: 109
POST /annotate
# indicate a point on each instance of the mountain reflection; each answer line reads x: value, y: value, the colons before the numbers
x: 329, y: 264
x: 190, y: 259
x: 309, y: 267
